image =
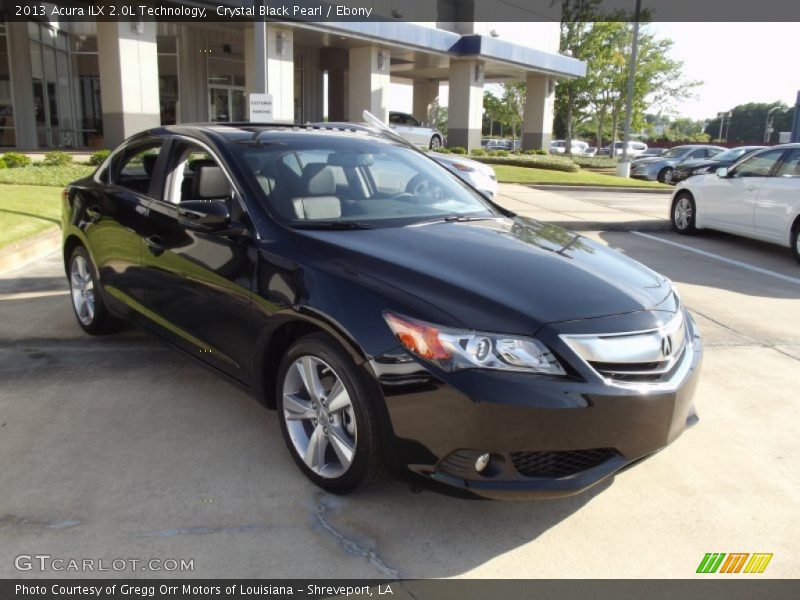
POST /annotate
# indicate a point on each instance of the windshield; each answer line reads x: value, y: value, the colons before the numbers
x: 732, y: 154
x: 676, y: 152
x: 331, y: 180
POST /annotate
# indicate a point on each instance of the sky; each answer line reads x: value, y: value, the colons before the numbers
x: 737, y: 63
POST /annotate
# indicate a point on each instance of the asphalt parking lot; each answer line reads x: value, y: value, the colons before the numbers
x: 121, y: 448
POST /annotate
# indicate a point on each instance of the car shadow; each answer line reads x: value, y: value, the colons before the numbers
x: 683, y: 266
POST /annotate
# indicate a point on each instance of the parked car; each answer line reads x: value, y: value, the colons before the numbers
x: 480, y: 176
x: 500, y: 144
x: 701, y: 166
x: 758, y: 197
x: 661, y: 168
x: 415, y: 132
x: 634, y: 149
x: 652, y: 152
x: 390, y: 325
x: 579, y: 148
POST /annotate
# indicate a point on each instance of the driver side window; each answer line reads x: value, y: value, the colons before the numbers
x: 760, y: 165
x: 196, y: 175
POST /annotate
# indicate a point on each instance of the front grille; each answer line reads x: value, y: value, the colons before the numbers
x: 651, y: 372
x: 559, y: 464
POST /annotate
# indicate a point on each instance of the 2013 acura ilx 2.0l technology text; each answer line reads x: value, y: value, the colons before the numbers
x: 419, y: 328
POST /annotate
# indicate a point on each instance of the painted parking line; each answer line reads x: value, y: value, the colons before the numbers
x: 730, y: 261
x: 33, y: 295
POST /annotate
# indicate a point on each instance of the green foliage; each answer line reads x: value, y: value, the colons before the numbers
x: 748, y: 122
x: 3, y: 164
x: 595, y: 162
x: 478, y: 152
x: 537, y: 151
x: 97, y: 158
x: 46, y: 175
x: 458, y: 150
x: 56, y: 158
x: 444, y: 150
x: 553, y: 163
x: 15, y: 160
x: 498, y: 152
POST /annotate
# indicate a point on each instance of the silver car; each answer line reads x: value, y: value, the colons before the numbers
x: 415, y: 132
x: 661, y: 168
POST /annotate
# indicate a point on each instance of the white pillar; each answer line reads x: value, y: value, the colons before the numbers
x: 426, y: 94
x: 128, y: 78
x: 537, y: 124
x: 269, y: 67
x: 368, y: 83
x: 465, y: 106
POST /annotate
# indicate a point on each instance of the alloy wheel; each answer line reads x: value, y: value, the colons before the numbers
x: 683, y: 213
x: 319, y: 417
x: 436, y: 142
x: 82, y: 290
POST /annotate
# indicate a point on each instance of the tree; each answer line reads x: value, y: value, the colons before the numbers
x: 748, y: 122
x: 513, y: 101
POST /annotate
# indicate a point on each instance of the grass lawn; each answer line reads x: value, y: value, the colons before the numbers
x: 41, y: 175
x: 507, y: 174
x: 26, y: 210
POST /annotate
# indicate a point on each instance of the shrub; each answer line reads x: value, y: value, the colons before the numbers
x: 536, y: 151
x: 444, y: 150
x: 3, y: 163
x: 57, y: 158
x: 553, y: 163
x: 15, y: 160
x: 458, y: 150
x: 97, y: 158
x: 596, y: 162
x: 478, y: 152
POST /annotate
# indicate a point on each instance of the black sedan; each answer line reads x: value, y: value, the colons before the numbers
x: 702, y: 166
x: 391, y: 325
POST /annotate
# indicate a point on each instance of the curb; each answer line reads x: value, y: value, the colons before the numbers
x: 597, y: 188
x: 641, y: 225
x: 26, y: 251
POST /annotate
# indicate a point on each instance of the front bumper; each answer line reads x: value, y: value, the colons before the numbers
x: 644, y: 173
x: 547, y: 437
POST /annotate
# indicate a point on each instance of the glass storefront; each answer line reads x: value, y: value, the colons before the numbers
x: 227, y: 100
x: 168, y: 83
x: 8, y: 137
x: 86, y: 86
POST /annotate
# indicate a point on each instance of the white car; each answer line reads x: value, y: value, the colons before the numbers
x: 579, y: 148
x: 415, y: 132
x: 758, y: 197
x: 478, y: 175
x: 634, y: 149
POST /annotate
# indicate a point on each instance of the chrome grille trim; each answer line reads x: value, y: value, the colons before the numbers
x: 637, y: 357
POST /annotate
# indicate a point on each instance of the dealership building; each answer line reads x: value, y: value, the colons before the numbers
x: 85, y: 85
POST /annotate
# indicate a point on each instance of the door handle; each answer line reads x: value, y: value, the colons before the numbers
x: 155, y: 245
x: 94, y: 214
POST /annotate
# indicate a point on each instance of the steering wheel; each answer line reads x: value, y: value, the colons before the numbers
x: 422, y: 186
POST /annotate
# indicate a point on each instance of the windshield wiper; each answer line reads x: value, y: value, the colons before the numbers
x: 332, y: 225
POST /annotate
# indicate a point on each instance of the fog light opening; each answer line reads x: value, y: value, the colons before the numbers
x: 482, y: 462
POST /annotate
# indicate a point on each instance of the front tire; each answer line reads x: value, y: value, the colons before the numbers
x: 683, y: 214
x: 795, y: 240
x: 327, y: 416
x: 436, y: 142
x: 665, y: 175
x: 87, y: 301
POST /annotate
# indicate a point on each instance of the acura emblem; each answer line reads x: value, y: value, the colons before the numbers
x: 666, y: 346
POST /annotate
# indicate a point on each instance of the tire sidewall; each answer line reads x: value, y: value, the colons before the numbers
x: 793, y: 240
x: 433, y: 143
x: 327, y: 349
x: 662, y: 175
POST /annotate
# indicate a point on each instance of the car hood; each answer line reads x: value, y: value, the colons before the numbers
x: 449, y: 161
x: 655, y: 159
x: 506, y: 275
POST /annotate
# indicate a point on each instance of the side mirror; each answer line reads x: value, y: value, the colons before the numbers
x: 204, y: 215
x: 722, y: 172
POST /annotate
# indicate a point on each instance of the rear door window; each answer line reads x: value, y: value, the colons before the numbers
x: 136, y: 166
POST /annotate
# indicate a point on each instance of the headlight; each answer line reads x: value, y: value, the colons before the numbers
x: 463, y: 167
x: 454, y: 349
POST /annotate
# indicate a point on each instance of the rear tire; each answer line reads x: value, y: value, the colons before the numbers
x: 436, y: 142
x: 795, y: 240
x: 683, y: 214
x: 665, y: 175
x: 87, y: 300
x: 327, y: 416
